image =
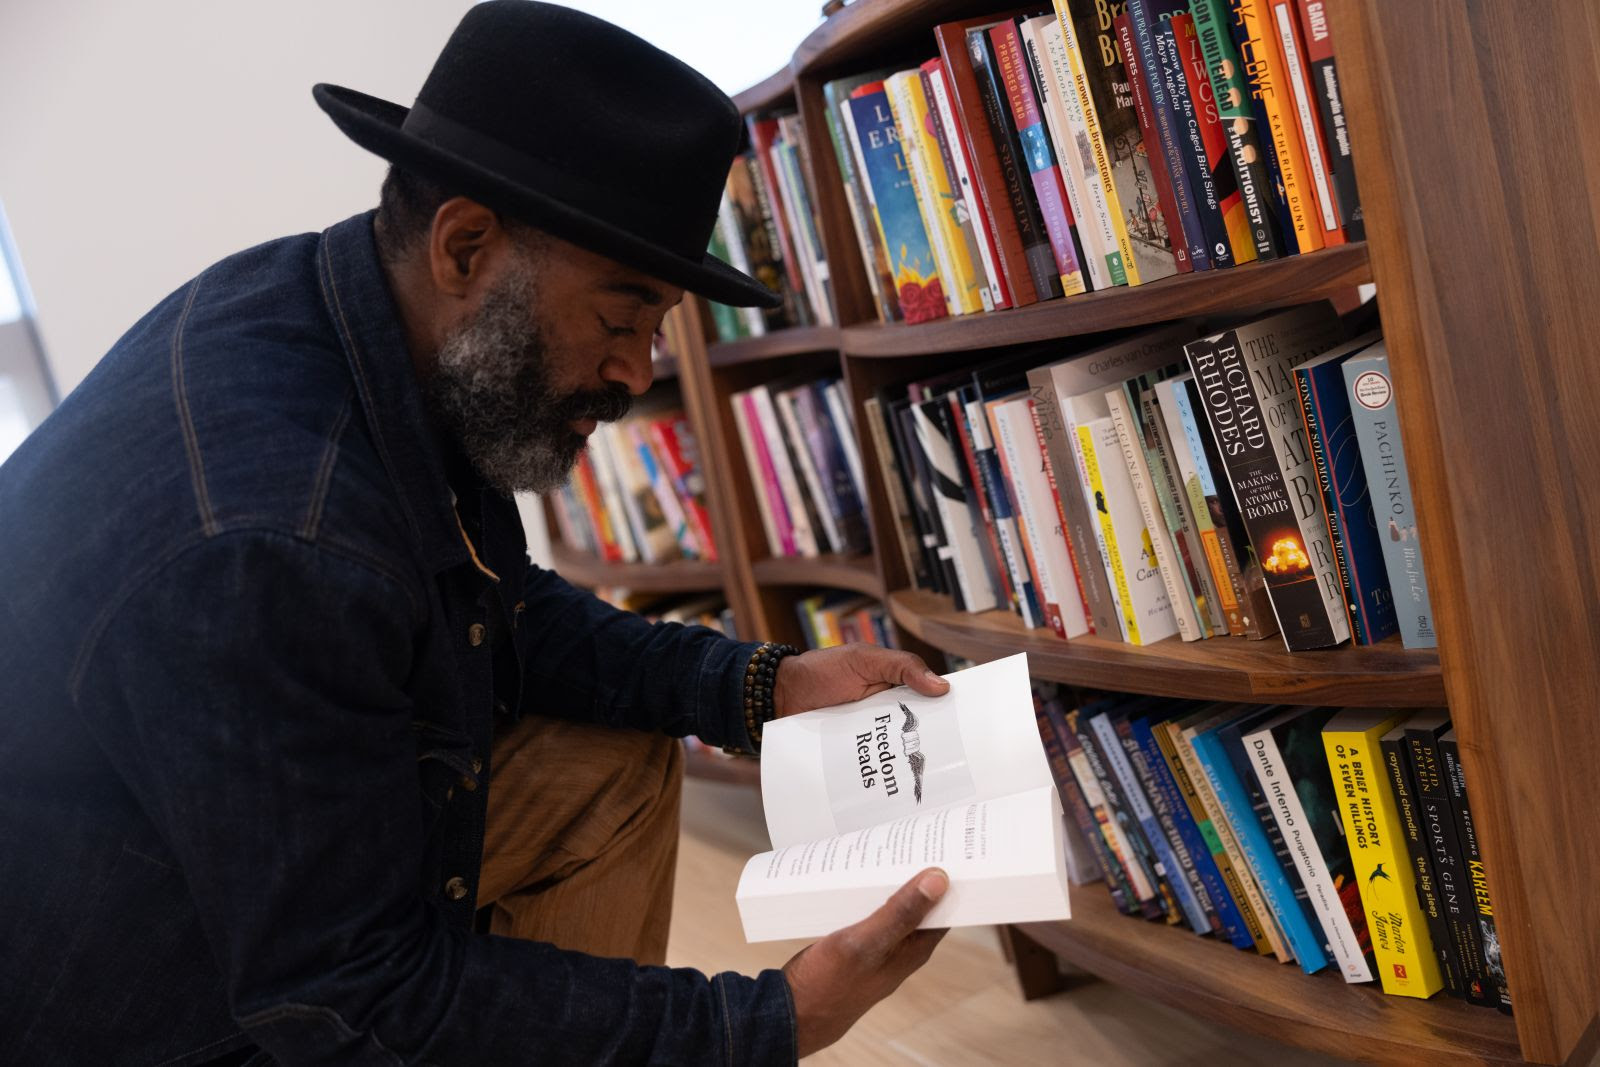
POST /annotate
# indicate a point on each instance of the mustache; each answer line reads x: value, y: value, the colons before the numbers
x: 610, y: 404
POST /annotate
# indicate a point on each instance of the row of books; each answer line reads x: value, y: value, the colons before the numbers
x: 1036, y: 157
x: 800, y: 448
x: 767, y: 227
x: 638, y: 492
x: 710, y: 610
x: 829, y: 619
x: 1327, y: 837
x: 1171, y: 482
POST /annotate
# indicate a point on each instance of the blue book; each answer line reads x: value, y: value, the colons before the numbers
x: 1002, y: 508
x: 894, y: 203
x: 1105, y: 732
x: 1352, y: 526
x: 1199, y: 849
x: 833, y: 471
x: 1305, y: 941
x: 1383, y: 459
x: 1145, y: 17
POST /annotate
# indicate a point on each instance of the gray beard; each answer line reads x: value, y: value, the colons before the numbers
x: 491, y: 392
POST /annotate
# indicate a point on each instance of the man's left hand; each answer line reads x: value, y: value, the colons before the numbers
x: 828, y: 676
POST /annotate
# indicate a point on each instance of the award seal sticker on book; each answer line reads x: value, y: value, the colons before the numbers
x: 862, y: 796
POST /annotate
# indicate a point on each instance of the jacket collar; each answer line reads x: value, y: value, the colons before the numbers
x: 364, y: 315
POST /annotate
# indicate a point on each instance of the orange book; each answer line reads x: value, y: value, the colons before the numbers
x: 1268, y: 73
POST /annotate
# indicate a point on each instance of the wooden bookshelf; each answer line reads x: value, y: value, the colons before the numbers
x: 1259, y: 672
x: 678, y: 576
x: 1473, y: 140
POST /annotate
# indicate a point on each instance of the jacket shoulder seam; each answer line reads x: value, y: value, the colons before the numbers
x: 191, y: 439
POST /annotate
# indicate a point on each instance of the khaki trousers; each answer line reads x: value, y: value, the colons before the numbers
x: 582, y: 837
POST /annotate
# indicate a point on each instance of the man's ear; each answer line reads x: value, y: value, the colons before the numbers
x: 464, y: 239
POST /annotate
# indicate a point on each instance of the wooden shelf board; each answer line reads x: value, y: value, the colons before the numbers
x: 775, y: 90
x: 739, y: 770
x: 678, y: 576
x: 1222, y: 668
x: 791, y: 342
x: 1256, y: 993
x: 858, y: 573
x: 1294, y: 279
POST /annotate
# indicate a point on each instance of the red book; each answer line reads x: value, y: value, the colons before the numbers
x: 675, y: 445
x: 763, y: 132
x: 946, y: 127
x: 1197, y: 82
x: 589, y: 493
x: 987, y: 171
x: 1152, y: 143
x: 1303, y: 95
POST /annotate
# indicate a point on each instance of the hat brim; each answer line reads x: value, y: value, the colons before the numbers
x: 376, y: 125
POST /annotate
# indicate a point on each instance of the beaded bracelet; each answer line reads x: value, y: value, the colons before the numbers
x: 759, y: 677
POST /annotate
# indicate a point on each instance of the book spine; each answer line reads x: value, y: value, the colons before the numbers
x: 1330, y: 105
x: 844, y: 426
x: 774, y: 511
x: 1129, y: 797
x: 1309, y: 863
x: 1175, y: 510
x: 989, y: 176
x: 909, y: 105
x: 1178, y: 419
x: 949, y: 493
x: 926, y: 502
x: 589, y: 495
x: 1214, y: 158
x: 1026, y: 470
x: 793, y: 212
x: 1155, y: 151
x: 1230, y: 93
x: 1155, y: 527
x: 796, y: 155
x: 980, y: 507
x: 1088, y: 445
x: 1120, y: 873
x: 1264, y: 64
x: 666, y: 498
x: 1026, y: 554
x: 762, y: 133
x: 1444, y: 849
x: 1155, y: 65
x: 1036, y: 152
x: 676, y: 445
x: 1383, y: 458
x: 1061, y: 470
x: 1302, y: 96
x: 974, y: 221
x: 1477, y: 880
x: 1072, y: 800
x: 781, y: 457
x: 1197, y: 159
x: 906, y: 535
x: 874, y: 258
x: 1305, y: 931
x: 918, y: 288
x: 1190, y: 889
x: 1046, y: 51
x: 1310, y: 418
x: 831, y: 440
x: 1302, y: 944
x: 809, y: 481
x: 1424, y: 877
x: 1119, y: 824
x: 1259, y: 487
x: 1407, y: 966
x: 1037, y: 254
x: 1027, y: 594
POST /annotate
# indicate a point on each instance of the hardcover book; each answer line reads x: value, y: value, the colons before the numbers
x: 916, y: 276
x: 1407, y: 966
x: 1383, y: 458
x: 661, y: 486
x: 1352, y: 527
x: 1397, y: 764
x: 849, y: 789
x: 858, y: 194
x: 1291, y: 766
x: 1119, y: 148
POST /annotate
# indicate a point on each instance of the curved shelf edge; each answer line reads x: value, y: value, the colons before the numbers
x: 766, y: 93
x: 1322, y: 1012
x: 1251, y: 285
x: 678, y: 576
x: 856, y: 573
x: 710, y: 766
x: 798, y: 340
x: 1222, y: 668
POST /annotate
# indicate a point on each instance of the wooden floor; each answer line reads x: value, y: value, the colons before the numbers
x: 963, y: 1008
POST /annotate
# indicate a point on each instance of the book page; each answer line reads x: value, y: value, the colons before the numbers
x: 899, y: 754
x: 1005, y: 858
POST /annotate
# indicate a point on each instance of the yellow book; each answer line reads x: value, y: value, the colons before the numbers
x: 1269, y: 78
x: 936, y: 198
x: 1407, y: 963
x: 1108, y: 531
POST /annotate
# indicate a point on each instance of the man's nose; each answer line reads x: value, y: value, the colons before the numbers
x: 631, y: 366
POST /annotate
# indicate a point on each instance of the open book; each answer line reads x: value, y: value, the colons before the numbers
x: 862, y: 796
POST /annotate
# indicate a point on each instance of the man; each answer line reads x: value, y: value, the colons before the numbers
x: 288, y: 719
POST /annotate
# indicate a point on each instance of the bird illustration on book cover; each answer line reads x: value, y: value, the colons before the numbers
x: 911, y: 745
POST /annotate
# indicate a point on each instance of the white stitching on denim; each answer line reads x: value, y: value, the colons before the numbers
x: 191, y: 441
x: 330, y: 456
x: 727, y: 1017
x: 180, y: 1057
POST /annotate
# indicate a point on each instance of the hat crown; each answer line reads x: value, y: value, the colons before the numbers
x: 600, y: 112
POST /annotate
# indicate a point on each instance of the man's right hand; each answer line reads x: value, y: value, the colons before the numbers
x: 836, y: 980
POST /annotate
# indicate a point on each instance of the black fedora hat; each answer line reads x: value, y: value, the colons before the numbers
x: 576, y: 126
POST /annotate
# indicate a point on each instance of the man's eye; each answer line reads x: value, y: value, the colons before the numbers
x: 617, y: 331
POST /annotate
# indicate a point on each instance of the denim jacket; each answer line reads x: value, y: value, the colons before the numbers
x: 249, y: 668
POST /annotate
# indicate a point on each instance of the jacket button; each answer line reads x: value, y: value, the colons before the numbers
x: 456, y: 888
x: 476, y: 633
x: 469, y: 783
x: 477, y: 765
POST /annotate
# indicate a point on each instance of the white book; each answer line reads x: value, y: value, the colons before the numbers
x: 1008, y: 531
x: 789, y: 416
x: 978, y: 592
x: 844, y: 424
x: 605, y: 473
x: 741, y: 419
x: 1134, y: 571
x: 728, y: 224
x: 1310, y: 866
x: 805, y: 539
x: 861, y: 797
x: 1131, y: 440
x: 1038, y: 516
x: 966, y: 189
x: 1046, y: 48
